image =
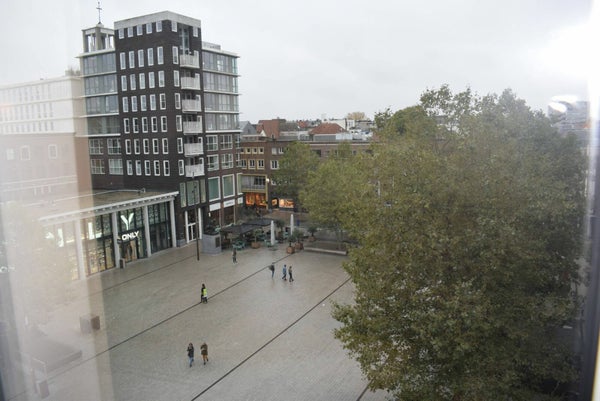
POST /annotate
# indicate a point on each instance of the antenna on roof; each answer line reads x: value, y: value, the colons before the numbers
x: 99, y: 9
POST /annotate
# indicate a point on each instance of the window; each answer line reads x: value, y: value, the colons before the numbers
x: 195, y: 31
x: 156, y: 167
x: 136, y: 146
x: 144, y: 124
x: 211, y: 143
x: 149, y: 27
x: 162, y: 98
x: 176, y: 78
x: 260, y: 164
x: 261, y: 151
x: 228, y: 186
x: 159, y: 55
x: 136, y: 126
x: 141, y: 57
x: 166, y: 168
x: 126, y: 125
x: 178, y: 124
x: 139, y: 29
x: 134, y: 103
x: 274, y: 164
x: 122, y: 61
x: 155, y: 147
x: 226, y: 142
x: 95, y: 148
x: 154, y: 124
x: 152, y: 102
x: 165, y: 146
x: 180, y: 145
x: 115, y: 166
x: 174, y: 26
x: 161, y: 79
x: 143, y: 105
x: 138, y: 167
x: 132, y: 82
x: 213, y: 189
x: 129, y: 167
x: 123, y: 83
x: 175, y: 55
x: 130, y: 32
x: 52, y: 151
x: 181, y: 167
x: 178, y: 101
x: 163, y: 123
x: 142, y: 81
x: 151, y: 79
x: 158, y: 26
x: 127, y: 146
x: 227, y: 161
x: 251, y: 163
x: 147, y: 170
x: 114, y: 146
x: 213, y: 162
x: 150, y: 53
x: 146, y: 145
x: 97, y: 166
x: 131, y: 59
x: 125, y: 104
x: 121, y: 33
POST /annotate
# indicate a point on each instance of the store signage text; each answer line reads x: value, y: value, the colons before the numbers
x: 130, y: 236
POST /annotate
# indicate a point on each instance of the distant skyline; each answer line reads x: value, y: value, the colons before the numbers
x: 324, y: 59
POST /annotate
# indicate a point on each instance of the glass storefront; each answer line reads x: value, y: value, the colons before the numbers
x: 160, y: 227
x: 131, y: 234
x: 97, y: 244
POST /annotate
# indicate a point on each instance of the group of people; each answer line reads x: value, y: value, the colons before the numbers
x: 287, y: 271
x: 203, y: 351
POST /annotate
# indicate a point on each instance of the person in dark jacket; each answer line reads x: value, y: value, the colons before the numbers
x: 190, y: 353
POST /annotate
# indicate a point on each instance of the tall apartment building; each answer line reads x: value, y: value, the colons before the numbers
x: 163, y: 115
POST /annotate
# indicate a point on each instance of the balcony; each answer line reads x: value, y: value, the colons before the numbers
x: 193, y: 149
x: 189, y: 61
x: 192, y: 127
x: 190, y: 83
x: 191, y: 106
x: 196, y: 170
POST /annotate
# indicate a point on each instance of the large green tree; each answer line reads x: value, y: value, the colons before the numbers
x: 294, y: 167
x: 466, y: 265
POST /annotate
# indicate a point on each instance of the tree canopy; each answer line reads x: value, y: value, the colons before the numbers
x: 469, y: 229
x: 294, y: 167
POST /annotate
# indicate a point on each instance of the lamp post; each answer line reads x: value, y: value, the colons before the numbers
x: 197, y: 215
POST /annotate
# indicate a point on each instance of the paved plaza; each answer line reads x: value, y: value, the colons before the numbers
x: 268, y: 339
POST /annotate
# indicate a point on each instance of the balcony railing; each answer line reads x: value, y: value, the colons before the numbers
x: 193, y: 149
x: 194, y: 171
x: 189, y: 61
x: 191, y: 106
x: 190, y: 83
x: 192, y: 127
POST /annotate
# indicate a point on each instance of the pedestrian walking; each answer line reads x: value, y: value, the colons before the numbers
x: 290, y: 273
x: 204, y: 294
x: 204, y: 352
x: 190, y: 353
x: 284, y: 270
x: 234, y: 255
x: 272, y: 268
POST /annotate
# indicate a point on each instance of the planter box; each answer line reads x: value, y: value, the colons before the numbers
x: 255, y: 245
x: 299, y: 246
x: 290, y: 249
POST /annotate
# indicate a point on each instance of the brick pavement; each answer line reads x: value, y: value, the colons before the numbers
x: 268, y: 339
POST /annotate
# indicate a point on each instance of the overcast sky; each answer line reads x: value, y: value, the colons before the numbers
x: 326, y: 58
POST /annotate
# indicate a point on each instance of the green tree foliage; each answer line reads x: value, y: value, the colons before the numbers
x: 331, y: 195
x: 467, y: 258
x: 294, y: 167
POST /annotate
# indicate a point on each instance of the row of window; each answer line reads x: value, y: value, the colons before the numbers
x: 142, y: 80
x: 17, y: 128
x: 258, y: 164
x: 138, y: 30
x: 115, y: 167
x: 129, y: 59
x: 25, y: 152
x: 145, y: 99
x: 150, y: 125
x: 26, y: 112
